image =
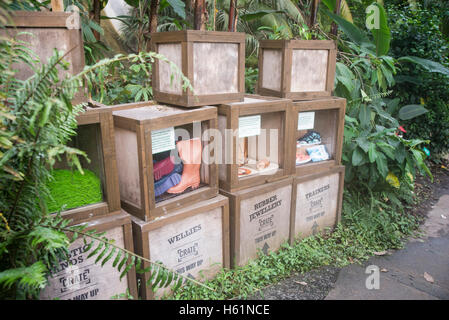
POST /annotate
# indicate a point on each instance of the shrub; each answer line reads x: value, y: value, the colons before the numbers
x: 417, y: 32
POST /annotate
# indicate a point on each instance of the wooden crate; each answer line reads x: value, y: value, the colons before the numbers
x: 214, y: 62
x: 133, y: 133
x: 49, y: 31
x: 317, y: 202
x: 325, y: 116
x: 193, y: 241
x: 296, y: 69
x: 270, y: 114
x: 82, y: 279
x: 259, y: 219
x: 95, y: 136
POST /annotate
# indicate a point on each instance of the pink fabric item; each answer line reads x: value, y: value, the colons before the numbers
x: 163, y: 167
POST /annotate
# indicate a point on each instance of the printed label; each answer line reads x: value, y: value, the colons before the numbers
x: 162, y: 140
x: 306, y: 120
x: 80, y: 278
x: 316, y: 205
x: 191, y: 246
x: 249, y: 126
x: 264, y: 223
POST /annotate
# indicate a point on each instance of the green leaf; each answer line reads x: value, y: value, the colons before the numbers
x: 411, y: 111
x: 128, y: 267
x: 364, y: 115
x: 179, y: 7
x: 32, y: 276
x: 382, y: 164
x: 97, y: 249
x: 354, y: 34
x: 358, y: 157
x: 382, y: 36
x: 429, y: 65
x: 372, y: 153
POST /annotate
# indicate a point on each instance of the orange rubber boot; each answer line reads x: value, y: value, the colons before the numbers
x: 190, y: 153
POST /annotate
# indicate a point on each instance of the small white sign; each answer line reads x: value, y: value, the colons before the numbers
x: 249, y: 126
x: 306, y: 120
x: 162, y: 140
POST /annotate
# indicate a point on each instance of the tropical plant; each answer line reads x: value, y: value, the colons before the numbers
x: 37, y: 120
x: 375, y: 153
x: 410, y: 36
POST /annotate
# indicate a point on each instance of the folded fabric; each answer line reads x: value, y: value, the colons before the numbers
x: 163, y: 167
x: 311, y: 137
x: 318, y: 153
x: 171, y: 180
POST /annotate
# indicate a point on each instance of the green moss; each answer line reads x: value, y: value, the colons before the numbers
x: 73, y: 189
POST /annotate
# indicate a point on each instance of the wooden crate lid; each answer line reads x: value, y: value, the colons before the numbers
x: 198, y: 36
x: 320, y: 103
x: 298, y: 44
x: 151, y: 113
x: 336, y: 169
x: 253, y: 103
x: 181, y: 213
x: 43, y: 19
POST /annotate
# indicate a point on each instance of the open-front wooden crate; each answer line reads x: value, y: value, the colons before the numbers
x: 259, y: 219
x: 193, y: 241
x: 254, y: 137
x: 296, y: 69
x: 214, y: 62
x: 144, y: 137
x: 95, y: 136
x: 317, y: 202
x: 45, y: 31
x: 317, y: 134
x: 83, y: 279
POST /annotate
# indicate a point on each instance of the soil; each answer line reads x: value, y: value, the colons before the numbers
x: 316, y: 284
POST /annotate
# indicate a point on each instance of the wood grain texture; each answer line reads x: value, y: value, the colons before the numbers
x: 272, y: 68
x: 329, y: 122
x: 309, y: 70
x: 317, y: 202
x: 85, y: 280
x: 193, y: 240
x: 271, y: 144
x: 306, y: 70
x: 260, y: 219
x: 144, y: 120
x: 212, y: 61
x: 169, y: 81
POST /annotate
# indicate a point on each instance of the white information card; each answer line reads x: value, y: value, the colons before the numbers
x: 306, y: 120
x: 162, y: 140
x: 249, y: 126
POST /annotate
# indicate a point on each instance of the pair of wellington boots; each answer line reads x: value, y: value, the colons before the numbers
x: 190, y: 153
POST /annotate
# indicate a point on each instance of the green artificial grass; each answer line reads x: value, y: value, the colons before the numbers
x: 73, y: 189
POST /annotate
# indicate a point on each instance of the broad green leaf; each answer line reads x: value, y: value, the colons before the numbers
x: 429, y: 65
x: 382, y: 36
x: 372, y: 153
x: 179, y: 7
x: 411, y: 111
x: 382, y: 164
x: 354, y: 34
x: 364, y: 115
x: 358, y: 157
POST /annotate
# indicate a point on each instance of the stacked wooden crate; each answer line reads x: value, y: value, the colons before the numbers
x: 187, y: 230
x: 307, y: 77
x: 80, y: 278
x: 250, y: 195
